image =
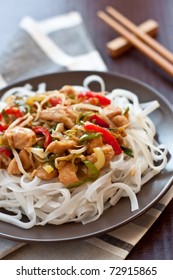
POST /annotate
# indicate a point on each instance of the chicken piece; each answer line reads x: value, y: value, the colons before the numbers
x: 120, y: 120
x: 20, y: 137
x: 25, y: 159
x: 67, y: 174
x: 42, y: 174
x: 97, y: 142
x: 59, y: 147
x: 13, y: 168
x: 92, y: 158
x: 4, y: 161
x: 112, y: 113
x: 108, y: 152
x: 68, y: 91
x: 120, y: 140
x: 60, y: 114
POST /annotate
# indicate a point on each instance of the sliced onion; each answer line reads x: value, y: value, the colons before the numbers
x: 78, y: 151
x: 38, y: 151
x: 87, y: 107
x: 100, y: 158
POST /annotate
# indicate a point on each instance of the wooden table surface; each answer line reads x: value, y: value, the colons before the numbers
x: 158, y: 242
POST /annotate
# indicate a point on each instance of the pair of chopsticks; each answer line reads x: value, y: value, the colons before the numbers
x: 140, y: 40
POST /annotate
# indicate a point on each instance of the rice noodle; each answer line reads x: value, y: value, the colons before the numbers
x: 50, y: 202
x: 20, y: 121
x: 78, y: 151
x: 19, y: 163
x: 87, y: 106
x: 94, y: 78
x: 25, y: 90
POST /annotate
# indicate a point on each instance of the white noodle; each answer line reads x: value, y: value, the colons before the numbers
x: 19, y: 121
x: 41, y: 88
x: 19, y: 163
x: 37, y: 104
x: 87, y: 107
x: 78, y: 151
x: 19, y: 91
x: 94, y: 78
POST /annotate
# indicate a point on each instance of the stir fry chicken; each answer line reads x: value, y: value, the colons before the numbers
x: 25, y: 160
x: 59, y: 147
x: 20, y: 137
x: 59, y: 114
x: 67, y: 174
x: 61, y: 134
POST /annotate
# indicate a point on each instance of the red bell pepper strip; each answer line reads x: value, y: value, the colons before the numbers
x: 97, y: 120
x: 14, y: 111
x: 5, y: 151
x: 55, y: 101
x: 45, y: 132
x: 103, y: 100
x: 3, y: 127
x: 107, y: 136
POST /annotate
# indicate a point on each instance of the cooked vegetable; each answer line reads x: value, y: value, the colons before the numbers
x: 45, y: 132
x: 92, y: 174
x: 100, y: 158
x: 55, y: 101
x: 127, y: 151
x: 98, y: 120
x: 4, y: 150
x: 48, y: 167
x: 89, y: 95
x: 14, y: 111
x: 107, y: 136
x: 88, y: 136
x: 62, y: 132
x: 31, y: 99
x: 3, y: 127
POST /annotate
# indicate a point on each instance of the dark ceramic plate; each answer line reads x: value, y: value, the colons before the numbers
x: 121, y: 213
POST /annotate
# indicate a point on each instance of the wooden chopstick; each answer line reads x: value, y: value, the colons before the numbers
x: 120, y: 45
x: 139, y: 44
x: 140, y: 34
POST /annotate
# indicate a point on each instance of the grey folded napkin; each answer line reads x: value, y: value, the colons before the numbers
x: 52, y: 45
